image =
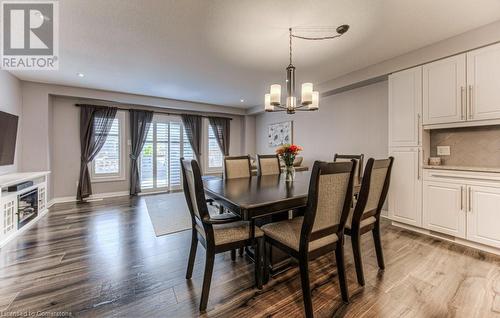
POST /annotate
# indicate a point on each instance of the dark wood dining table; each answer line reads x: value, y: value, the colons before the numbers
x: 258, y: 197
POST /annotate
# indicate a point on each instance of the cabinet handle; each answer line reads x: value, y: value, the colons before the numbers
x: 462, y: 105
x: 418, y: 164
x: 418, y: 129
x: 461, y: 198
x: 470, y: 199
x: 470, y: 101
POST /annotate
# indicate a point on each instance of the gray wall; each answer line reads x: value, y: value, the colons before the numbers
x: 49, y: 118
x: 11, y: 102
x: 351, y: 122
x: 65, y: 148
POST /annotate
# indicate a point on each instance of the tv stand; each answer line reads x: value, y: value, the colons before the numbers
x: 19, y: 210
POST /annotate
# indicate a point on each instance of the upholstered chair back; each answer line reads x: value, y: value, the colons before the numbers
x: 268, y: 165
x: 237, y: 167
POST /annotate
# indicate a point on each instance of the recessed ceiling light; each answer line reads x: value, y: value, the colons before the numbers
x: 242, y: 100
x: 80, y: 74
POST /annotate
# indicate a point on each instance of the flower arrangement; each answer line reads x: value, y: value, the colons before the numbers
x: 287, y: 153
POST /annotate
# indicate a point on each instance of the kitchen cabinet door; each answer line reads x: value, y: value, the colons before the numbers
x: 405, y: 191
x: 483, y: 216
x: 444, y: 90
x: 405, y: 107
x: 483, y: 77
x: 444, y: 208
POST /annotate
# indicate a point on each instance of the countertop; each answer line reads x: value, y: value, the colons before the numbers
x: 463, y: 168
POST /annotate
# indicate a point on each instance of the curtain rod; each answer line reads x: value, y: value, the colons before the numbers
x: 158, y: 112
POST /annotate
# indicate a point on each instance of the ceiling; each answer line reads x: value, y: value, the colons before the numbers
x: 219, y: 52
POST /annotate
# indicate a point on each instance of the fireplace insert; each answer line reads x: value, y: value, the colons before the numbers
x: 27, y: 207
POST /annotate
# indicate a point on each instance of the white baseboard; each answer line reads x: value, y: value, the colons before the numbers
x: 456, y: 240
x: 96, y: 196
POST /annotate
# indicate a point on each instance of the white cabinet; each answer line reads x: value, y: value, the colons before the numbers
x: 444, y: 208
x: 483, y: 78
x: 483, y: 217
x: 9, y: 221
x: 405, y: 107
x: 405, y: 192
x: 444, y: 90
x: 42, y: 198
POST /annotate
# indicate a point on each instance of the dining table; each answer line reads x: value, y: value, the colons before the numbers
x: 262, y: 198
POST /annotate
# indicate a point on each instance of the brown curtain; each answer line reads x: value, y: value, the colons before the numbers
x: 140, y: 122
x: 92, y: 119
x: 221, y: 128
x: 192, y: 127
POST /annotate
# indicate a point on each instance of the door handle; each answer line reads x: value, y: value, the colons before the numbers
x: 470, y: 101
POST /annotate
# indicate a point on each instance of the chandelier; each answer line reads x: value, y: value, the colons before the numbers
x: 309, y: 98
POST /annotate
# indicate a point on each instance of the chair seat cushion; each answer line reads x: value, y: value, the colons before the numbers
x: 364, y: 222
x: 288, y: 233
x: 232, y: 232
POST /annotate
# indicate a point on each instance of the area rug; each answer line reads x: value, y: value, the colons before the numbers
x: 168, y: 213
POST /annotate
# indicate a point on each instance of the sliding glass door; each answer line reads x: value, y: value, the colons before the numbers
x: 166, y: 143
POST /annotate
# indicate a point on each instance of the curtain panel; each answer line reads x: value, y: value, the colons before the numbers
x: 140, y: 123
x: 192, y: 127
x: 92, y: 119
x: 221, y: 128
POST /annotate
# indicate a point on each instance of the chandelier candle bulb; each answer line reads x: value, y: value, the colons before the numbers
x: 267, y: 103
x: 307, y: 93
x: 315, y: 101
x: 291, y: 102
x: 275, y: 94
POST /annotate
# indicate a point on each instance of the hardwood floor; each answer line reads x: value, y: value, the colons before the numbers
x: 102, y: 259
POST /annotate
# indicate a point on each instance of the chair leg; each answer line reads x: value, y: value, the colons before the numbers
x: 192, y: 254
x: 258, y: 262
x: 378, y: 246
x: 356, y: 250
x: 339, y: 256
x: 207, y: 278
x: 306, y: 289
x: 267, y: 254
x: 233, y: 255
x: 240, y: 251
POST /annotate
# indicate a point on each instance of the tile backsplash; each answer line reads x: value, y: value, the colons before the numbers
x: 472, y: 146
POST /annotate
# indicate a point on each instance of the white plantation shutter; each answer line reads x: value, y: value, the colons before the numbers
x: 160, y: 158
x: 107, y: 161
x: 215, y: 156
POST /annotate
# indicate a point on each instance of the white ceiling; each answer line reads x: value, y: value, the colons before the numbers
x: 220, y: 51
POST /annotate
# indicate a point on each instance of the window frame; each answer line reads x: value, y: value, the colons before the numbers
x: 120, y: 175
x: 206, y: 159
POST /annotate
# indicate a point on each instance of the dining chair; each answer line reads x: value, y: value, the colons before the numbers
x: 321, y: 229
x: 365, y: 216
x: 217, y: 233
x: 268, y: 165
x: 358, y: 173
x: 237, y: 167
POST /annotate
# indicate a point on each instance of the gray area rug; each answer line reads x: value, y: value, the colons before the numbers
x: 168, y: 213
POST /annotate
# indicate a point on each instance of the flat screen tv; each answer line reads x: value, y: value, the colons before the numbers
x: 8, y: 135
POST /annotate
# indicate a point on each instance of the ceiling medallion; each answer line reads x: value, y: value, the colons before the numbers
x: 309, y: 99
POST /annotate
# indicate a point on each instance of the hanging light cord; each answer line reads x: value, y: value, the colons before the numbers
x: 340, y: 31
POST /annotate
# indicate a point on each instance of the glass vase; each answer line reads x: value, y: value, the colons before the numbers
x: 289, y: 173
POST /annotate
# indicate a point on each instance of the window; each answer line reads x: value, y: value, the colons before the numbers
x: 166, y: 143
x: 215, y: 156
x: 108, y: 164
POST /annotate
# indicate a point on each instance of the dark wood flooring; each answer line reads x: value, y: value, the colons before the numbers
x: 102, y: 259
